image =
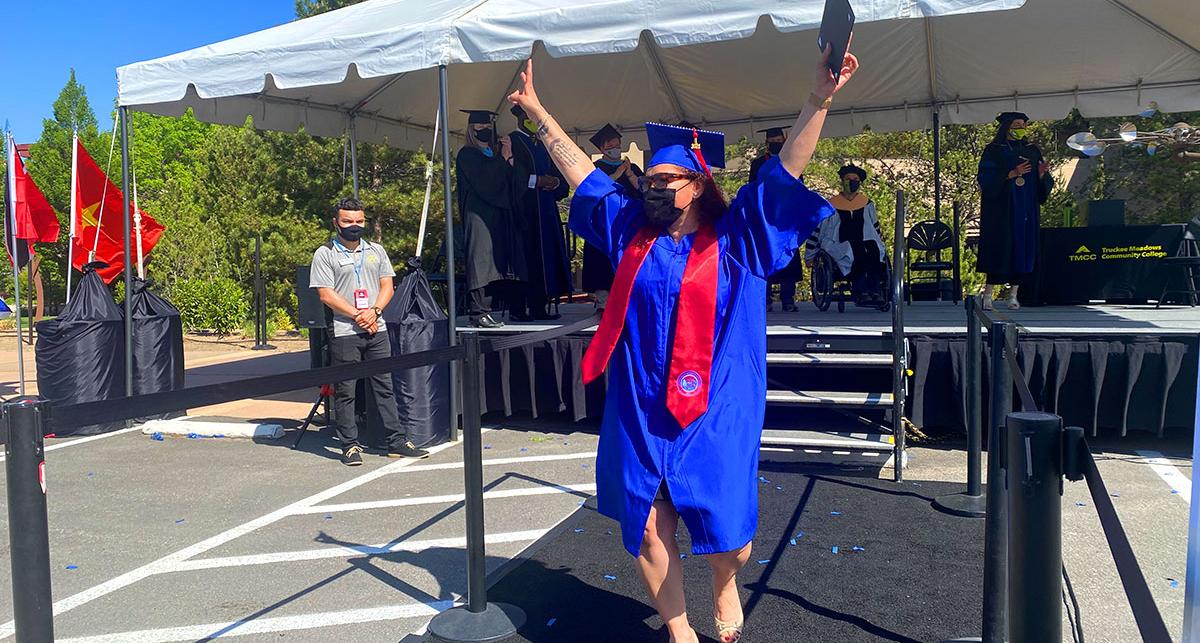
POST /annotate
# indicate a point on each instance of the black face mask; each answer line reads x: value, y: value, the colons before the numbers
x: 484, y: 135
x: 660, y: 206
x: 774, y: 148
x: 853, y: 185
x: 351, y: 233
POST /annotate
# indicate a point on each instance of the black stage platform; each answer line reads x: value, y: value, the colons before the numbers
x: 925, y: 577
x: 1144, y: 360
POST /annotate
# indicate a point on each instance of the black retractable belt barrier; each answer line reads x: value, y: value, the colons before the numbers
x: 972, y: 502
x: 1034, y: 473
x: 28, y: 527
x: 478, y: 620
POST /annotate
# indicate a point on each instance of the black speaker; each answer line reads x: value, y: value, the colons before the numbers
x: 310, y: 312
x: 1106, y: 212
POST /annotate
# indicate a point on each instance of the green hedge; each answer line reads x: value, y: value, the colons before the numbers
x: 219, y: 305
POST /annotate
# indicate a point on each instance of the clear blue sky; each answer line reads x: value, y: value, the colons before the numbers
x: 44, y: 39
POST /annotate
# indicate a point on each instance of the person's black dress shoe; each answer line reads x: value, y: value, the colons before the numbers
x: 485, y: 321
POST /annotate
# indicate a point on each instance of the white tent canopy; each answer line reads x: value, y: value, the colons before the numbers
x: 738, y: 65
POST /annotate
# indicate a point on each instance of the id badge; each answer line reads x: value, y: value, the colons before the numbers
x: 360, y: 299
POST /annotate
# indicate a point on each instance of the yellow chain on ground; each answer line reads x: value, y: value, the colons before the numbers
x: 913, y: 431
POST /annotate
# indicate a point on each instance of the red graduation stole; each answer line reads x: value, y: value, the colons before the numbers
x: 691, y: 355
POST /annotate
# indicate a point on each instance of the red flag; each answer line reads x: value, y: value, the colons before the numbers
x: 98, y: 224
x: 35, y: 219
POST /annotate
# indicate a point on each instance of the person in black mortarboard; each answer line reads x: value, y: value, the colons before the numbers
x: 597, y: 267
x: 1014, y: 181
x: 538, y: 186
x: 794, y: 270
x: 495, y: 252
x: 852, y: 238
x: 683, y: 339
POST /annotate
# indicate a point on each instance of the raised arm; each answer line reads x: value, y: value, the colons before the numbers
x: 798, y: 151
x: 568, y: 158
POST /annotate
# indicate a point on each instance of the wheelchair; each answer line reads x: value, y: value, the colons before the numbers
x: 830, y: 284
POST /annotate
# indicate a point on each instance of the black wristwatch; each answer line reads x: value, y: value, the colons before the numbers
x: 378, y: 311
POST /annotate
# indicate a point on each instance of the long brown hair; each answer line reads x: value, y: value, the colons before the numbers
x: 711, y: 203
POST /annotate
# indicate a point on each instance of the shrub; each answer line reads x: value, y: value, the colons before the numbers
x: 219, y: 304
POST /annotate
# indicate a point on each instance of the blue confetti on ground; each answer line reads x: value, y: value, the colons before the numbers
x: 1116, y: 495
x: 579, y: 530
x: 1175, y: 492
x: 835, y: 513
x: 328, y: 516
x: 487, y: 446
x: 764, y: 561
x: 609, y: 577
x: 1174, y: 583
x: 779, y: 488
x: 583, y: 466
x: 916, y: 484
x: 799, y: 534
x: 682, y: 555
x: 179, y: 521
x: 90, y: 474
x: 72, y: 567
x: 857, y: 548
x: 523, y: 449
x: 193, y: 436
x: 792, y: 541
x: 156, y: 436
x: 608, y: 531
x: 1080, y: 504
x: 835, y: 549
x: 550, y: 623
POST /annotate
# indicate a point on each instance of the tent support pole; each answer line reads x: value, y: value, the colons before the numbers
x: 354, y: 155
x: 448, y: 204
x: 125, y: 241
x: 937, y: 165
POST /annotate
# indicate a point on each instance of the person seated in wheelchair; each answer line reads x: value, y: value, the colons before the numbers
x: 852, y: 238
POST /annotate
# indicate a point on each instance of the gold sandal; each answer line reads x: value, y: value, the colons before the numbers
x: 726, y: 629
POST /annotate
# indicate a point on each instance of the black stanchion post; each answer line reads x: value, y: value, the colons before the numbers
x: 970, y: 504
x: 260, y: 301
x: 28, y: 527
x: 478, y: 620
x: 1035, y: 485
x: 995, y: 536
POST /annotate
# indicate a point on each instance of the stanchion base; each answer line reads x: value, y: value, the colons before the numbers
x: 460, y: 625
x: 262, y: 347
x: 963, y: 506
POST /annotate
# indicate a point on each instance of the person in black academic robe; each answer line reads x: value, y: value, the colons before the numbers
x: 794, y: 270
x: 495, y: 253
x: 597, y: 267
x: 538, y: 186
x: 1014, y: 181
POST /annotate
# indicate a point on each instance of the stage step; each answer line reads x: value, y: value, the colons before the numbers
x: 840, y: 360
x: 827, y: 440
x: 830, y: 398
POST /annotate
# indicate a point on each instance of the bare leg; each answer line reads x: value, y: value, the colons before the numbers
x: 1012, y: 297
x: 727, y: 604
x: 987, y: 296
x: 658, y: 563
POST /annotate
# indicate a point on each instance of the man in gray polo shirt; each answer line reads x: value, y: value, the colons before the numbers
x: 354, y: 279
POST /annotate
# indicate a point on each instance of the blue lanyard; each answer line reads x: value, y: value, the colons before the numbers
x: 357, y: 266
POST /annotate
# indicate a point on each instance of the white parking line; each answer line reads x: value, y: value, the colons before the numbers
x: 436, y: 500
x: 496, y: 461
x: 90, y: 438
x: 270, y: 625
x: 410, y: 546
x: 168, y: 562
x: 1169, y: 473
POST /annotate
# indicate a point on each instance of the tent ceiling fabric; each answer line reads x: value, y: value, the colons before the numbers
x: 737, y: 65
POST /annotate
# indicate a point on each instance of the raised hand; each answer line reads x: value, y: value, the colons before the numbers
x: 526, y: 96
x: 824, y: 85
x: 1021, y: 170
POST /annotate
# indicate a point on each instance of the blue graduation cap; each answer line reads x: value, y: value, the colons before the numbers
x: 691, y: 148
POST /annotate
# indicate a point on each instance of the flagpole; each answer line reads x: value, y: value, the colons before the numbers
x: 10, y: 151
x: 125, y: 239
x: 74, y: 204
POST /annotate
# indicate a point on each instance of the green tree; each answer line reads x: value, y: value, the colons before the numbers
x: 308, y: 8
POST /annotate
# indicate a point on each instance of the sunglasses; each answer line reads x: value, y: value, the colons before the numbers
x: 662, y: 180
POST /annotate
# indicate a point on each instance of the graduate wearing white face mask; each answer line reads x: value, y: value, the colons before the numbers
x: 597, y: 267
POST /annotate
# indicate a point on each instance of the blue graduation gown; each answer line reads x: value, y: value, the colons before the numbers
x: 710, y: 467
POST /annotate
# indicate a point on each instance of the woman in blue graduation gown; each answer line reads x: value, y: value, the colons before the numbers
x: 684, y: 340
x: 1014, y: 182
